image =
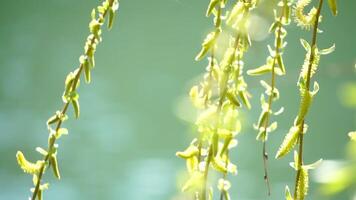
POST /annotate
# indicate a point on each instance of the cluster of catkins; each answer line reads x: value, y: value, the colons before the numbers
x: 222, y: 92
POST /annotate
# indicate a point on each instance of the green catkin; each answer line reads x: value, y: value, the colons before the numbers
x: 274, y: 66
x: 218, y: 121
x: 70, y: 96
x: 309, y: 68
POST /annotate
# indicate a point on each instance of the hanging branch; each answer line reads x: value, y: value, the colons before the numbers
x: 70, y: 96
x: 296, y: 133
x: 218, y: 97
x: 275, y: 66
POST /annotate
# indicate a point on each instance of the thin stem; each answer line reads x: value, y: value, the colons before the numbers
x: 225, y: 174
x: 311, y: 59
x: 59, y: 123
x: 270, y: 101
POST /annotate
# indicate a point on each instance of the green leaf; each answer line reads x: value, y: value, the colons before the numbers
x: 208, y: 43
x: 83, y: 60
x: 54, y: 164
x: 288, y: 195
x: 111, y: 18
x: 262, y: 135
x: 235, y: 12
x: 232, y: 98
x: 189, y: 152
x: 333, y: 6
x: 263, y: 118
x: 60, y: 132
x: 305, y: 44
x: 313, y: 165
x: 272, y: 127
x: 219, y: 164
x: 260, y: 70
x: 53, y: 119
x: 41, y: 151
x: 87, y: 72
x: 243, y: 95
x: 281, y: 64
x: 328, y: 50
x: 75, y: 103
x: 192, y: 164
x: 274, y: 26
x: 289, y: 141
x: 211, y: 7
x: 91, y: 60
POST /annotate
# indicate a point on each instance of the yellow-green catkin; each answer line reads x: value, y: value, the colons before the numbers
x: 296, y: 134
x: 70, y: 97
x: 274, y: 66
x: 217, y: 98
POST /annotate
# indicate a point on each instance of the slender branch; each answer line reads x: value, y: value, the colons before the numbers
x: 270, y: 101
x: 311, y: 59
x: 218, y: 112
x: 63, y: 112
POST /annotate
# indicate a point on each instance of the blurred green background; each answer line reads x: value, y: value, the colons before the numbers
x: 135, y: 114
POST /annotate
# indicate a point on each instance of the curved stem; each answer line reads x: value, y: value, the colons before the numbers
x: 311, y: 59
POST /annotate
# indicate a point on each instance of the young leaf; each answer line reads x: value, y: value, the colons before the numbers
x: 189, y: 152
x: 41, y: 151
x: 288, y: 195
x: 235, y: 12
x: 208, y: 43
x: 313, y: 165
x: 111, y: 18
x: 281, y: 64
x: 76, y: 107
x: 53, y: 119
x: 305, y: 44
x: 244, y: 98
x: 84, y: 61
x: 192, y: 164
x: 54, y: 164
x: 60, y: 132
x: 274, y: 26
x: 328, y: 50
x: 333, y: 6
x: 211, y: 7
x: 219, y: 164
x: 260, y: 70
x: 233, y: 99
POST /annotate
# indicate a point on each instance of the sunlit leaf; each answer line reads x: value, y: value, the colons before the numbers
x: 333, y: 6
